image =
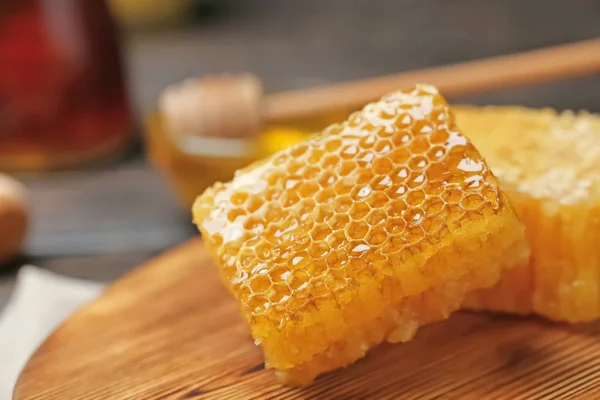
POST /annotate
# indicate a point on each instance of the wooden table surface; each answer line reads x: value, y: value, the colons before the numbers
x: 97, y: 224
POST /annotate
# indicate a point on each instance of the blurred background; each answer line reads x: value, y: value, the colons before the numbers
x: 80, y: 83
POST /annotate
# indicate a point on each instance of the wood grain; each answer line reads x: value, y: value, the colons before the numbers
x: 169, y: 330
x: 520, y: 69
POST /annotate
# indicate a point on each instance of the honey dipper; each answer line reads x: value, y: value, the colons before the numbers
x: 233, y: 107
x: 14, y: 217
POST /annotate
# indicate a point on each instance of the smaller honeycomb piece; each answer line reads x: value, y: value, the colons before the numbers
x: 361, y: 234
x: 549, y: 166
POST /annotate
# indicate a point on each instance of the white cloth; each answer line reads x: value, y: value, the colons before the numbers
x: 40, y: 302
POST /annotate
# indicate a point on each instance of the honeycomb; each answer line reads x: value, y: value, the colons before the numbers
x: 549, y: 166
x: 362, y: 234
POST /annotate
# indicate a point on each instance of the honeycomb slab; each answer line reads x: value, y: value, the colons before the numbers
x: 549, y: 166
x: 360, y: 235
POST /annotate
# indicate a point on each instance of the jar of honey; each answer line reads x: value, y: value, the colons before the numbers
x: 63, y: 100
x: 203, y: 130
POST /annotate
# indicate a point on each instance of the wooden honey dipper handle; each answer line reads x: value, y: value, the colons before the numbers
x: 233, y: 106
x: 536, y: 66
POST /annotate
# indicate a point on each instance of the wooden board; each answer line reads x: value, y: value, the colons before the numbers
x: 169, y: 330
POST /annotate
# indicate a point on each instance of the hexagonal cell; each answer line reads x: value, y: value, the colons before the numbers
x: 339, y: 221
x: 311, y: 172
x: 325, y: 196
x: 333, y: 144
x: 402, y: 139
x: 318, y: 249
x: 415, y: 180
x: 279, y: 274
x: 298, y: 280
x: 293, y: 167
x: 323, y: 213
x: 239, y: 198
x: 395, y: 226
x: 302, y: 242
x: 292, y: 182
x: 308, y: 189
x: 394, y: 245
x: 432, y: 224
x: 357, y: 229
x: 396, y: 191
x: 436, y: 153
x: 415, y: 198
x: 253, y: 204
x: 349, y: 151
x: 263, y: 251
x: 257, y: 303
x: 359, y: 193
x: 414, y: 216
x: 452, y: 196
x: 397, y: 208
x: 383, y: 147
x: 440, y: 136
x: 364, y: 176
x: 316, y: 268
x: 382, y: 166
x: 337, y: 259
x: 400, y: 155
x: 260, y: 283
x: 359, y: 210
x: 344, y: 186
x: 306, y: 207
x: 403, y: 121
x: 420, y: 145
x: 336, y: 239
x: 452, y: 212
x: 365, y: 159
x: 342, y: 204
x: 346, y: 167
x: 279, y: 293
x: 423, y: 127
x: 357, y: 248
x: 367, y: 141
x: 377, y: 200
x: 235, y: 213
x: 300, y: 260
x: 400, y: 174
x: 327, y: 179
x: 274, y: 213
x: 355, y: 266
x: 434, y: 188
x: 298, y: 150
x: 320, y: 232
x: 271, y: 194
x: 275, y: 178
x: 315, y: 156
x: 415, y: 234
x: 376, y: 217
x: 433, y: 206
x: 376, y: 236
x: 289, y: 199
x: 330, y: 161
x: 438, y: 116
x: 418, y: 163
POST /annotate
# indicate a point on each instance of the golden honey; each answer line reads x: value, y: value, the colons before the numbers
x: 549, y: 166
x: 361, y: 234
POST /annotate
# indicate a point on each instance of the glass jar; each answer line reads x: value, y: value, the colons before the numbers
x: 63, y: 100
x: 190, y: 171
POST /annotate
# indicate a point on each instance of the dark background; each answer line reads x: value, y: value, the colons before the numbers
x: 99, y: 223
